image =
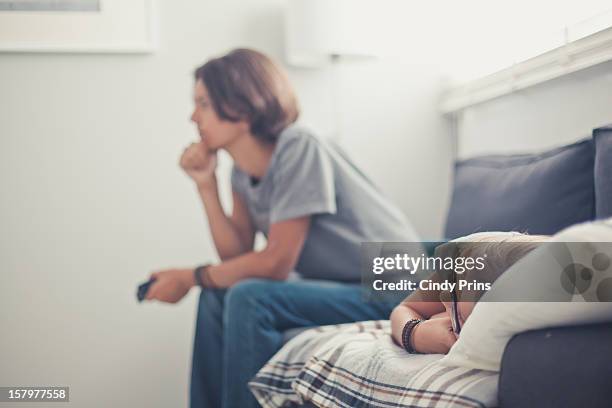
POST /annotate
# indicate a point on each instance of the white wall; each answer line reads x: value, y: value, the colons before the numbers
x: 551, y: 114
x: 93, y: 200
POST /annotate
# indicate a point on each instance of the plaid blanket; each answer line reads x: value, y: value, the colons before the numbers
x: 358, y: 365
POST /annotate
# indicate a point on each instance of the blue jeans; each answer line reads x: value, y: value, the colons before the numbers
x: 239, y: 329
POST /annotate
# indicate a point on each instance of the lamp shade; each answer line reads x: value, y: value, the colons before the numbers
x: 317, y: 30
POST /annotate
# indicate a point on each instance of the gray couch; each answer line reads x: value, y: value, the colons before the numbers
x: 542, y: 194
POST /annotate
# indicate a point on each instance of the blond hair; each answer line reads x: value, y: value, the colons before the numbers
x: 501, y: 250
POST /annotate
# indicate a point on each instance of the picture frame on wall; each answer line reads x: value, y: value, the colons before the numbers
x: 77, y: 26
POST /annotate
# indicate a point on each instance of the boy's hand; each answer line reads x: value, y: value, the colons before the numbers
x: 434, y: 336
x: 200, y: 163
x: 171, y: 285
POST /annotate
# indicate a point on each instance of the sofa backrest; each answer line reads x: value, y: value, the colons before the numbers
x: 534, y: 193
x: 603, y: 171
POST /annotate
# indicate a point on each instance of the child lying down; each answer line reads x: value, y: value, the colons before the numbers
x: 430, y: 321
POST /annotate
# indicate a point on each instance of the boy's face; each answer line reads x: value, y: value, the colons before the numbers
x: 214, y: 131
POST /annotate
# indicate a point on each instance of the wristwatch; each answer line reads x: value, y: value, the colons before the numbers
x: 202, y: 276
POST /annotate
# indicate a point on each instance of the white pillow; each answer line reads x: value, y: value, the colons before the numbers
x: 492, y: 324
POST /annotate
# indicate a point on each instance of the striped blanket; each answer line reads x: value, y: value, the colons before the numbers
x: 358, y: 365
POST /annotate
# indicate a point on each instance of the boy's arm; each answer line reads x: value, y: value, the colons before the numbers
x: 285, y: 242
x: 232, y: 235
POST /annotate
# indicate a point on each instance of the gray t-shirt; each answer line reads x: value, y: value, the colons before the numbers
x: 310, y: 176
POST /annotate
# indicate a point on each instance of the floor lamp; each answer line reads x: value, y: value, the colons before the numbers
x: 322, y: 34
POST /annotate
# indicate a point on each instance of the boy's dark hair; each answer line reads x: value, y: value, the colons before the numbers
x: 247, y: 85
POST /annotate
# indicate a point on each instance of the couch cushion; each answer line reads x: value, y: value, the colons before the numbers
x: 535, y: 193
x: 603, y: 171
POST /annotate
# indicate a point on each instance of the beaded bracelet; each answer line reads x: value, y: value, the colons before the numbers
x: 407, y: 332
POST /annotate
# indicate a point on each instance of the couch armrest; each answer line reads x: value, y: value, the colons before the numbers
x: 560, y: 367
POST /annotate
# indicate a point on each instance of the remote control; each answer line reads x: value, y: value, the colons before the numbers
x: 143, y: 289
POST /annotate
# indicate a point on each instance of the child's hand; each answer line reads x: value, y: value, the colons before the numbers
x: 434, y: 336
